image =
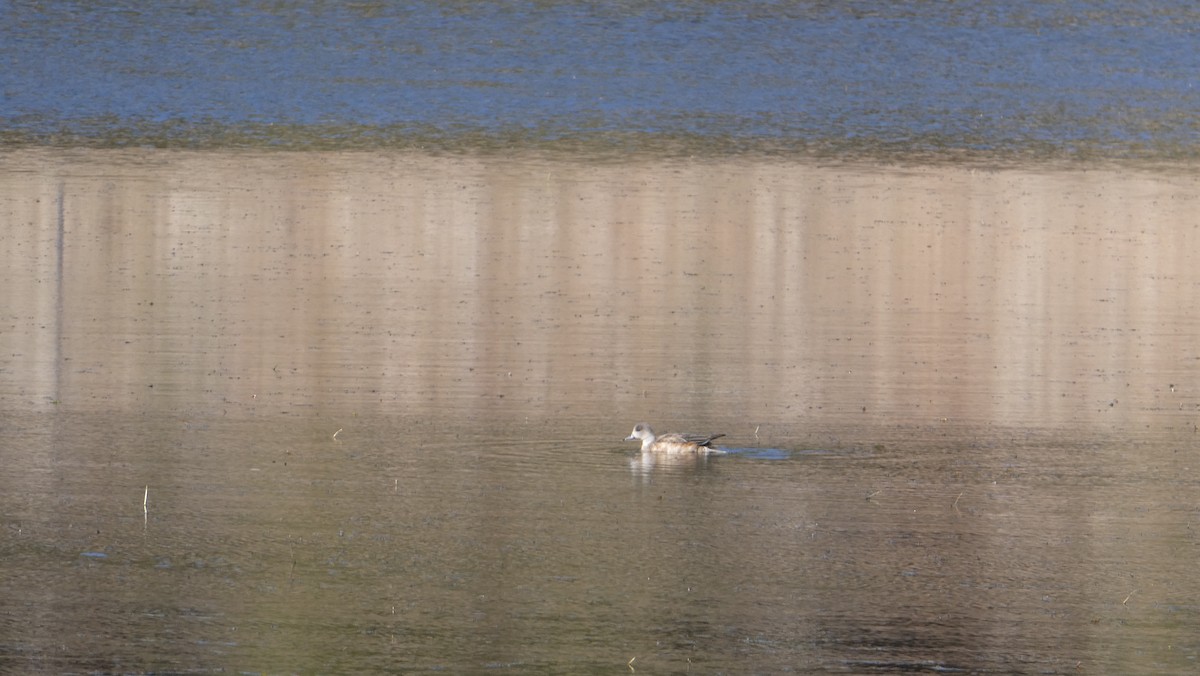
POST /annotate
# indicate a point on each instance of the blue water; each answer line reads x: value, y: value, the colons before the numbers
x: 1066, y: 78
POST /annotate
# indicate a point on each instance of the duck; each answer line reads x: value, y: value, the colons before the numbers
x: 673, y: 442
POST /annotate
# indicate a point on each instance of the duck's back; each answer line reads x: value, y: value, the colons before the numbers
x: 688, y: 439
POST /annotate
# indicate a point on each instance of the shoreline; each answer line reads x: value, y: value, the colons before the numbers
x: 581, y: 153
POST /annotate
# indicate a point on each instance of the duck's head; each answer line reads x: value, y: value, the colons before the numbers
x: 641, y: 432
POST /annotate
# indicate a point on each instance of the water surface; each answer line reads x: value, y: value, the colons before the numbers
x: 1009, y: 79
x: 363, y: 412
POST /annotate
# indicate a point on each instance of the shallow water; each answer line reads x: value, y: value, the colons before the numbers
x: 364, y: 412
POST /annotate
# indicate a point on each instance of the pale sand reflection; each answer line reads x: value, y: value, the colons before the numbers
x: 259, y: 284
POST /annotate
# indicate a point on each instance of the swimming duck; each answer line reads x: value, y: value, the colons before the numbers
x: 673, y: 442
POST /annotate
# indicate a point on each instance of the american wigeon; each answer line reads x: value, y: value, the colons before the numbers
x: 673, y: 442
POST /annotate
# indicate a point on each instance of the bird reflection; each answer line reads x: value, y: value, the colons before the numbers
x: 646, y: 462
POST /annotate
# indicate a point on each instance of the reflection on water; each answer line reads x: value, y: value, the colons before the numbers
x: 766, y: 453
x: 961, y: 404
x: 645, y: 463
x: 753, y: 292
